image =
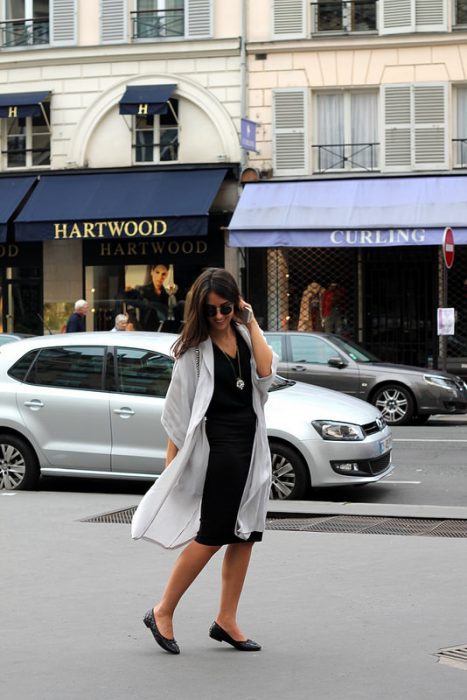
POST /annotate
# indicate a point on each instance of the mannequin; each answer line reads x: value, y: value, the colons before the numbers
x: 333, y: 308
x: 310, y: 318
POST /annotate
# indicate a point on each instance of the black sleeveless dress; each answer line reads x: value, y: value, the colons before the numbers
x: 230, y: 429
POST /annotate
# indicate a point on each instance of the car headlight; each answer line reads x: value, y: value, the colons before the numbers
x: 333, y: 430
x: 436, y: 380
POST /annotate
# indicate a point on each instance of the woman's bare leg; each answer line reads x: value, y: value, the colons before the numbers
x: 234, y: 570
x: 189, y: 564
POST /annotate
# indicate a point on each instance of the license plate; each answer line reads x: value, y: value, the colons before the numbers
x: 384, y: 445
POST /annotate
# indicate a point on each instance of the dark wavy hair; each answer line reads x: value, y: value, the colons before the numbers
x: 196, y: 328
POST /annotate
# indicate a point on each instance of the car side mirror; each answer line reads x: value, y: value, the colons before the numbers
x: 337, y: 362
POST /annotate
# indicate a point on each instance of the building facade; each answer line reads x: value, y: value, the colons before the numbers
x: 119, y: 153
x: 361, y: 109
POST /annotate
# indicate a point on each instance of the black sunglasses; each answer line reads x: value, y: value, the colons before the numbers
x: 210, y: 310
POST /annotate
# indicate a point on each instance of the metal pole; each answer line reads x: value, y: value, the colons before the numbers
x: 443, y: 346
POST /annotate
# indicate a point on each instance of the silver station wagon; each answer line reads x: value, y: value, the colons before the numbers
x: 89, y: 405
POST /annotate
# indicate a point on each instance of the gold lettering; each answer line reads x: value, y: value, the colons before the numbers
x: 75, y: 232
x: 173, y: 247
x: 105, y: 249
x: 13, y: 250
x: 61, y: 230
x: 88, y: 229
x: 99, y: 225
x: 187, y: 247
x: 2, y: 251
x: 201, y: 247
x: 119, y: 249
x: 132, y: 249
x: 158, y: 246
x: 147, y: 225
x: 12, y: 112
x: 142, y: 246
x: 163, y: 228
x: 127, y: 228
x: 143, y: 109
x: 115, y: 227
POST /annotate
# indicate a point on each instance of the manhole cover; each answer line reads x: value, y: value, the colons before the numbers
x: 454, y: 656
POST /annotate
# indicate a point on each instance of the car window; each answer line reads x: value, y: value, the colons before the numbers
x: 275, y: 341
x: 73, y: 367
x: 143, y: 372
x: 21, y: 367
x: 308, y: 348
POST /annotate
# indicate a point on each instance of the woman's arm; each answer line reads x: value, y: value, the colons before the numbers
x: 172, y: 450
x: 261, y: 350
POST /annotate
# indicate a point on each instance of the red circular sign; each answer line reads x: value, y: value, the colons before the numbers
x: 448, y: 247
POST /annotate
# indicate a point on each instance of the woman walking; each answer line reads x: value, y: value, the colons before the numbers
x: 215, y: 487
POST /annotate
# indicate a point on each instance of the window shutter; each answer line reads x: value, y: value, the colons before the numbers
x: 290, y: 143
x: 431, y: 16
x: 396, y: 16
x: 397, y: 127
x: 63, y: 22
x: 430, y: 129
x: 198, y: 18
x: 289, y: 19
x: 113, y: 21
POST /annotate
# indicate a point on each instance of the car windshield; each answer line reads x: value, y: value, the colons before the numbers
x: 356, y: 352
x: 280, y: 383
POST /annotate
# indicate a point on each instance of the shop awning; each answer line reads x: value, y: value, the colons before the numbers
x: 22, y: 104
x: 146, y: 99
x: 370, y: 212
x: 12, y: 192
x: 131, y: 205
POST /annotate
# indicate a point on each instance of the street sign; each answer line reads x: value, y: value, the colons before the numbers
x: 248, y: 134
x: 448, y: 247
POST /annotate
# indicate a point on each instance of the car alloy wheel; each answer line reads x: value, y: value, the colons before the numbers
x: 289, y: 475
x: 18, y: 464
x: 395, y: 403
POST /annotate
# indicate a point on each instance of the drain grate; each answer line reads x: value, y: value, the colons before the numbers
x: 357, y: 524
x: 454, y: 656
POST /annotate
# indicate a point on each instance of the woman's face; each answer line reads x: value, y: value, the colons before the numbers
x: 158, y: 275
x: 215, y: 305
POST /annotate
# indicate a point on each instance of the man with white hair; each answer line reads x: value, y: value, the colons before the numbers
x: 121, y: 322
x: 77, y: 321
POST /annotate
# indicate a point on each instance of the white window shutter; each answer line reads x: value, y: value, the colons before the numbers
x: 431, y: 16
x: 198, y: 19
x: 289, y: 19
x: 63, y: 25
x: 430, y: 127
x: 113, y: 21
x: 290, y: 142
x: 397, y: 119
x: 397, y: 16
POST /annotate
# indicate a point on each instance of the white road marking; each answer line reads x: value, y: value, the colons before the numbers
x: 426, y: 440
x: 400, y: 482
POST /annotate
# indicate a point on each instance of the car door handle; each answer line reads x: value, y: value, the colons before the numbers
x: 299, y: 368
x: 124, y: 412
x: 35, y: 404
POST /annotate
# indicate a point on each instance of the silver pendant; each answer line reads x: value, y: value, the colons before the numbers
x: 240, y: 384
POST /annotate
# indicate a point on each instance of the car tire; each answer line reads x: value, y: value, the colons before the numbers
x: 290, y: 478
x: 19, y: 468
x: 395, y: 403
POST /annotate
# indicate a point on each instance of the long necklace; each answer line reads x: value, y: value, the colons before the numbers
x: 240, y: 384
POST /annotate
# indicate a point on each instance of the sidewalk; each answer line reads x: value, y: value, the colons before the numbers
x: 340, y: 616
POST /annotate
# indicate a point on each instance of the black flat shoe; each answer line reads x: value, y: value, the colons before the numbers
x: 169, y: 645
x: 216, y: 632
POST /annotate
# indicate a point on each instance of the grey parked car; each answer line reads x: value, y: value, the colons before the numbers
x: 403, y: 394
x: 89, y: 404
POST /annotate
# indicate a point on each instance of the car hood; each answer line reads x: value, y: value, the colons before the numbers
x: 391, y: 368
x: 308, y: 402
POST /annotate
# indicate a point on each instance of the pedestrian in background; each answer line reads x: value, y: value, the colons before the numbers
x: 215, y: 488
x: 77, y: 321
x: 121, y: 323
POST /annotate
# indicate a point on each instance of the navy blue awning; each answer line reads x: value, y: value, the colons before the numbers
x: 22, y: 104
x: 12, y: 192
x: 131, y: 205
x: 146, y: 99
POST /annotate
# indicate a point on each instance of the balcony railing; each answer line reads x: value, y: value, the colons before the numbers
x: 24, y: 32
x: 460, y: 153
x: 346, y: 156
x: 158, y: 24
x: 344, y: 16
x: 461, y: 12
